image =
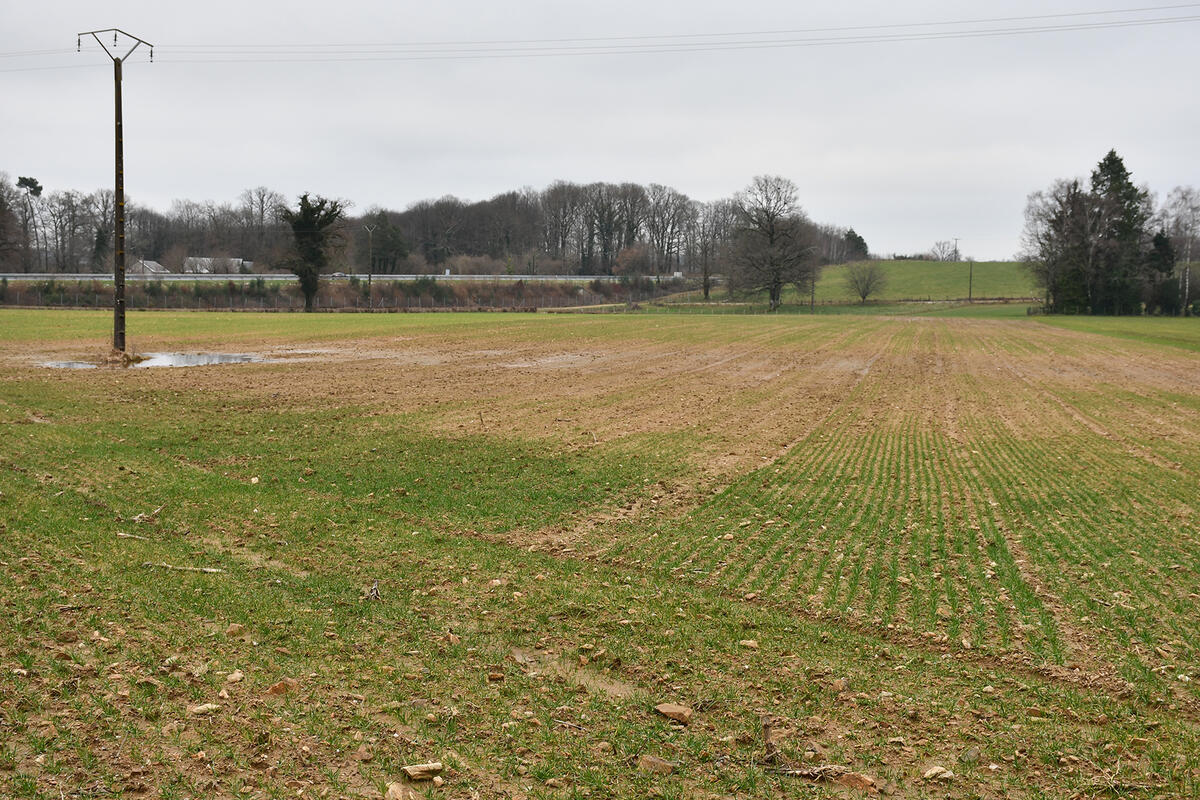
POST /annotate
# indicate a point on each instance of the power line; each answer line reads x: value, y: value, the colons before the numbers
x: 478, y: 53
x: 778, y: 32
x: 59, y: 66
x: 647, y: 44
x: 50, y: 52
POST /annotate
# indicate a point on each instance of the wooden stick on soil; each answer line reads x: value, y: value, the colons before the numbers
x: 183, y: 569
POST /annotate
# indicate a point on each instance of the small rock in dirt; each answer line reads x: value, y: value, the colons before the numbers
x: 681, y: 714
x: 422, y: 772
x: 749, y: 644
x: 856, y: 780
x: 283, y: 687
x: 204, y: 709
x: 400, y: 791
x: 937, y: 773
x: 970, y: 756
x: 363, y: 753
x: 655, y: 765
x: 235, y: 629
x: 235, y: 677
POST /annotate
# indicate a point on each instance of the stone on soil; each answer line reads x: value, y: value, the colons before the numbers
x: 400, y: 791
x: 681, y: 714
x: 422, y: 772
x: 938, y: 773
x: 283, y: 687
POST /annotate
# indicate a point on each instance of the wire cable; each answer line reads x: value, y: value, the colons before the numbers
x: 477, y: 53
x: 475, y: 50
x: 780, y: 32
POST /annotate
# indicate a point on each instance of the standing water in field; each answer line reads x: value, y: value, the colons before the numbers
x: 168, y: 360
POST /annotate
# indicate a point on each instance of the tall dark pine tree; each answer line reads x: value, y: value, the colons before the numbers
x: 856, y: 246
x: 1121, y: 218
x: 314, y: 228
x: 1090, y: 249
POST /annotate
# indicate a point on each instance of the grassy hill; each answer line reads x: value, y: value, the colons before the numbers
x: 909, y: 281
x: 934, y: 280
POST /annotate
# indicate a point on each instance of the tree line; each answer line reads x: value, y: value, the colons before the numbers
x: 1105, y: 247
x: 565, y: 228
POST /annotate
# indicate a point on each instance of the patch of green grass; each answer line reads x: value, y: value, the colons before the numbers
x: 1181, y: 332
x: 935, y: 280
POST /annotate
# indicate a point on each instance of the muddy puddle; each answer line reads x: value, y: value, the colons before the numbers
x: 147, y: 360
x: 589, y: 678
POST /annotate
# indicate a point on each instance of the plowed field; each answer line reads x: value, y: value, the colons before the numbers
x: 898, y: 544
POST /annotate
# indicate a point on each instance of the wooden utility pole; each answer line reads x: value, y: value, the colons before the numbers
x: 119, y: 194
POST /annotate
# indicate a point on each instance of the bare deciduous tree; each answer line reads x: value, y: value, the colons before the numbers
x: 668, y: 215
x: 562, y: 206
x: 864, y: 279
x: 944, y: 251
x: 773, y: 243
x: 713, y: 230
x: 1183, y: 223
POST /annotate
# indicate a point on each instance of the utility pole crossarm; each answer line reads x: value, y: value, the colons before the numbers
x: 137, y: 41
x: 119, y: 193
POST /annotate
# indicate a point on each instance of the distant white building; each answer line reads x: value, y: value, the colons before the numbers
x: 216, y: 265
x: 144, y: 267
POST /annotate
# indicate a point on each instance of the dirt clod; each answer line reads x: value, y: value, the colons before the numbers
x: 283, y: 687
x: 655, y: 765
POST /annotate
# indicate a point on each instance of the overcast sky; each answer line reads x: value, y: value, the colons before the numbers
x: 907, y: 141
